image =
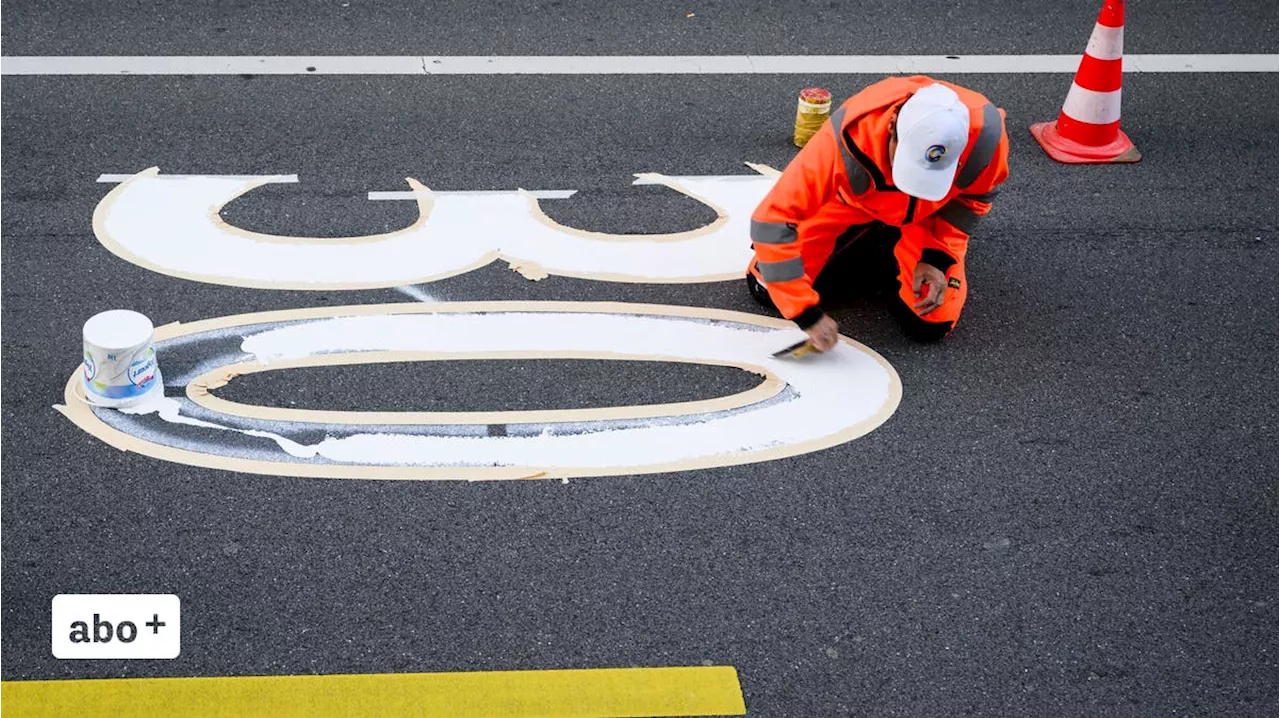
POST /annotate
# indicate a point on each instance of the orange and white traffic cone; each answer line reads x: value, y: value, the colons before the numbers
x: 1087, y: 130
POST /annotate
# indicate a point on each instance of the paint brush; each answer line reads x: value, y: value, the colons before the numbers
x: 795, y: 351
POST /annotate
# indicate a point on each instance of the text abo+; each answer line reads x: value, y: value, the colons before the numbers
x: 94, y: 626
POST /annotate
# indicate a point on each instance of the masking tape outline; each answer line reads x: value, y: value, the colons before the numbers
x: 722, y: 217
x: 198, y: 391
x: 422, y: 195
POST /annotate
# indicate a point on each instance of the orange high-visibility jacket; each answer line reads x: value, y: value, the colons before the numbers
x: 843, y: 177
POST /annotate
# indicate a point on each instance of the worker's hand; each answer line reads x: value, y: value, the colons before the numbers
x: 824, y: 334
x: 935, y: 282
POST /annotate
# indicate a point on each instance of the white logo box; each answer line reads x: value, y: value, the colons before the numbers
x: 98, y: 626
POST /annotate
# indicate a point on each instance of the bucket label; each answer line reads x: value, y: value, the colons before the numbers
x: 143, y: 371
x: 128, y: 376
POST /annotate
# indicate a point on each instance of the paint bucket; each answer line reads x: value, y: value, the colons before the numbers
x: 813, y: 109
x: 120, y: 368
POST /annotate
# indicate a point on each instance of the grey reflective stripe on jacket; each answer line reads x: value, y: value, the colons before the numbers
x: 784, y: 271
x: 959, y: 216
x: 988, y: 197
x: 859, y: 180
x: 772, y: 232
x: 984, y: 148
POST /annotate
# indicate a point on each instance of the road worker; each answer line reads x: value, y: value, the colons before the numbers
x: 881, y: 203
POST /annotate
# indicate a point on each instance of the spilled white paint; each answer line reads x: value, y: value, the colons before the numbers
x: 826, y: 399
x: 171, y: 224
x: 170, y: 410
x: 415, y: 292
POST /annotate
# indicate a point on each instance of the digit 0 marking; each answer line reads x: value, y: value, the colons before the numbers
x: 799, y: 406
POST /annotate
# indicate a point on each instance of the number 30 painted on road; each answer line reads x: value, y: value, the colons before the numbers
x: 171, y: 224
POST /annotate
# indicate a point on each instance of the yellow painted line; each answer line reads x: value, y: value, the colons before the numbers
x: 597, y: 692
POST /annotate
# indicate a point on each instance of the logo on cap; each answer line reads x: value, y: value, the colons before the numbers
x: 934, y: 153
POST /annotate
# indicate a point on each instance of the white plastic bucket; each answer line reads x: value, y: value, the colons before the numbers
x: 120, y: 368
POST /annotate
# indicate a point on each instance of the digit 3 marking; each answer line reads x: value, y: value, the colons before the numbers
x: 171, y: 224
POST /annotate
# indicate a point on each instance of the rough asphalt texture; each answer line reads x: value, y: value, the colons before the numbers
x: 582, y: 27
x: 1072, y: 513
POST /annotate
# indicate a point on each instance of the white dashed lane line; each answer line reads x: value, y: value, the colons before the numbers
x: 616, y: 64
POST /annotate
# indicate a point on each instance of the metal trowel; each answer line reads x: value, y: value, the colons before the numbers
x: 796, y: 351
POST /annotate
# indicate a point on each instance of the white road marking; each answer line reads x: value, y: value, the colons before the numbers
x: 615, y: 64
x: 536, y: 194
x: 393, y: 195
x: 118, y: 178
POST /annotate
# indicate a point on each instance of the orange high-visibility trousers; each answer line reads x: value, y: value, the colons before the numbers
x: 907, y: 252
x: 877, y: 260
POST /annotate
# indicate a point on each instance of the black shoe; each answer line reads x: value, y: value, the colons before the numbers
x: 915, y: 327
x: 759, y: 293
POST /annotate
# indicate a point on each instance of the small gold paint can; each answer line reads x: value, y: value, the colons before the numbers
x: 814, y: 109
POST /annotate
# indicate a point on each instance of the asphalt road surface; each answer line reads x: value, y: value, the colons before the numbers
x: 1073, y: 512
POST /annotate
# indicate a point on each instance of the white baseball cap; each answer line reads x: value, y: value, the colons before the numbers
x: 933, y: 130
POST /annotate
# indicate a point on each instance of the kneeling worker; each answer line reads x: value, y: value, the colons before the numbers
x: 882, y: 201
